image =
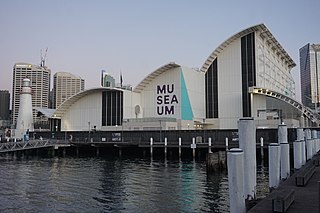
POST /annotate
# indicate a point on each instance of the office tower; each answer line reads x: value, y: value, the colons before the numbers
x: 4, y: 105
x: 107, y: 80
x: 40, y: 84
x: 310, y: 75
x: 65, y: 85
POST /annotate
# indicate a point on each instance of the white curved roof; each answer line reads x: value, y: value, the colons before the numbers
x: 67, y: 104
x: 153, y: 75
x: 264, y: 33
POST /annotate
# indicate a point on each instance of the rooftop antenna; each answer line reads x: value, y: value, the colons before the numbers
x: 43, y: 58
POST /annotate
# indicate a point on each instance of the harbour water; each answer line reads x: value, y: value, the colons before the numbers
x: 110, y: 184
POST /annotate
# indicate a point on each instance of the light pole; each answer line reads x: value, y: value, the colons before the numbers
x: 65, y: 134
x: 122, y: 131
x: 89, y: 131
x: 188, y: 126
x: 204, y: 132
x: 160, y: 130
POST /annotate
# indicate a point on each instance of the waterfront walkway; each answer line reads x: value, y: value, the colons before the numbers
x: 31, y: 144
x: 306, y: 198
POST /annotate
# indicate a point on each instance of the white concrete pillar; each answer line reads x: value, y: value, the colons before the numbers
x: 261, y: 148
x: 302, y: 144
x: 151, y: 147
x: 309, y: 146
x: 284, y: 153
x: 180, y: 147
x: 297, y: 154
x: 303, y: 152
x: 282, y: 134
x: 274, y: 165
x: 194, y: 149
x: 284, y: 161
x: 165, y: 146
x: 227, y: 144
x: 314, y: 142
x: 300, y: 134
x: 235, y: 158
x: 209, y: 145
x: 247, y: 142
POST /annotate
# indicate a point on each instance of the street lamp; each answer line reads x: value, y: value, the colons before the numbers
x: 188, y: 126
x: 122, y: 131
x: 204, y: 132
x: 160, y: 131
x: 65, y: 133
x: 89, y: 131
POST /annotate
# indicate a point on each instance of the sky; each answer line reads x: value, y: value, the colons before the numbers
x: 135, y: 37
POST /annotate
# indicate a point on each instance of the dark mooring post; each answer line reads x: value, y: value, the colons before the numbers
x: 120, y: 152
x: 319, y: 196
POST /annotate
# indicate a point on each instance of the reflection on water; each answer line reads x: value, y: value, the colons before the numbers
x: 113, y: 185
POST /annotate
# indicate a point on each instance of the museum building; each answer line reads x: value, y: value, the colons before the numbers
x: 248, y: 75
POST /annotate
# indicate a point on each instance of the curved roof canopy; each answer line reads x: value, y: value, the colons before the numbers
x: 265, y: 33
x: 67, y: 104
x: 153, y: 75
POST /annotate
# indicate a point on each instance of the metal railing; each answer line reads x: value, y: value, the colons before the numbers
x: 24, y: 145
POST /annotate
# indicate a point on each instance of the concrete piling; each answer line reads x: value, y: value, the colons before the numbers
x: 297, y: 154
x: 274, y: 165
x: 261, y: 148
x: 151, y: 147
x: 227, y: 144
x: 284, y: 151
x: 165, y: 147
x: 193, y: 148
x: 179, y: 148
x: 236, y: 180
x: 314, y: 143
x: 247, y: 142
x: 309, y: 143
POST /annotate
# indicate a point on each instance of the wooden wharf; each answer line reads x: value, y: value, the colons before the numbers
x: 306, y: 197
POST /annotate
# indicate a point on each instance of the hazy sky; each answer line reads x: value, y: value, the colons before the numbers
x: 136, y: 37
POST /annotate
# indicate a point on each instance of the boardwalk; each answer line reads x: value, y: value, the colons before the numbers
x: 306, y: 197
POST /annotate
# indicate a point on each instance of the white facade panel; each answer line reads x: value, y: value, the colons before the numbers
x: 160, y: 98
x: 229, y: 85
x: 271, y: 71
x: 194, y: 81
x: 258, y: 106
x: 85, y: 110
x: 130, y: 101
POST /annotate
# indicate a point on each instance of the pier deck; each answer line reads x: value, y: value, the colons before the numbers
x: 306, y: 198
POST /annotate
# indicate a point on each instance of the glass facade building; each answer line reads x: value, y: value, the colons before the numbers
x: 5, y: 104
x: 309, y: 74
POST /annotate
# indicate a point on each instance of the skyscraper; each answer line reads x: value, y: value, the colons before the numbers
x: 310, y: 75
x: 5, y: 104
x: 40, y: 85
x: 65, y: 85
x: 107, y: 80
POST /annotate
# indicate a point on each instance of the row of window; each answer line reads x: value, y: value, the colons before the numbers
x: 248, y: 68
x: 112, y: 108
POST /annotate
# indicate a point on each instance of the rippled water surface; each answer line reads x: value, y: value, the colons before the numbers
x: 91, y: 184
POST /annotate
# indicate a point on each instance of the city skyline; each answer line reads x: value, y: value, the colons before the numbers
x: 136, y: 38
